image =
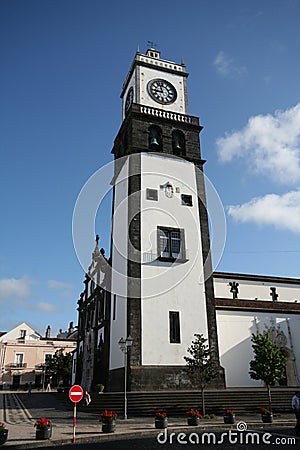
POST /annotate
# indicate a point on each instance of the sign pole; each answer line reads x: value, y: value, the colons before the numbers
x: 74, y: 423
x: 75, y: 395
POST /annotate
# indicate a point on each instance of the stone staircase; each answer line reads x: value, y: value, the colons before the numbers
x: 242, y: 401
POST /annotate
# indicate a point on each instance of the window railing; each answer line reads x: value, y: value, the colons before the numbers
x: 151, y: 257
x: 17, y: 365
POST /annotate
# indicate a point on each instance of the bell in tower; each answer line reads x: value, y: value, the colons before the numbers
x: 155, y: 138
x: 178, y: 143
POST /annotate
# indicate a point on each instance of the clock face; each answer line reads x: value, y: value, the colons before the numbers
x: 129, y: 99
x: 162, y: 91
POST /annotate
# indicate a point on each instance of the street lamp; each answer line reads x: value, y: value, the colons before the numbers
x: 124, y: 345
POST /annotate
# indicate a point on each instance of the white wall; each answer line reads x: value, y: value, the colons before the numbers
x: 235, y: 329
x: 15, y: 333
x: 165, y: 286
x: 119, y: 264
x: 147, y: 74
x: 250, y: 290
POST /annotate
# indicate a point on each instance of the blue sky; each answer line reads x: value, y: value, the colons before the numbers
x: 63, y: 63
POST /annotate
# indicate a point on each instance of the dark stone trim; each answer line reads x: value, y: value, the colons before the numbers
x: 134, y: 261
x: 116, y: 380
x: 151, y: 378
x: 257, y: 278
x: 257, y: 305
x: 209, y: 286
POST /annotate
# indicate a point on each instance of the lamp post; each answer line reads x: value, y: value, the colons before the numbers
x: 124, y: 345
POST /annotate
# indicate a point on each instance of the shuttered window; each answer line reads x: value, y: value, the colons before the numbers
x: 171, y: 244
x: 174, y: 326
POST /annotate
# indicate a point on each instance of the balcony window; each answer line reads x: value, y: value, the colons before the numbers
x: 171, y: 244
x: 19, y: 359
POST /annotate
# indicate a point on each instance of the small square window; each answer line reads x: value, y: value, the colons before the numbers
x: 152, y: 194
x: 186, y: 200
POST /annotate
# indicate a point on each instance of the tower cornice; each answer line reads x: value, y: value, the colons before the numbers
x: 161, y: 64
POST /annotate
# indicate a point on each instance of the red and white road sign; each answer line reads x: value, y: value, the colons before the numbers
x: 76, y: 393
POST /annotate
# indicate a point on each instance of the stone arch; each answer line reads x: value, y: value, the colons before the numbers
x: 291, y: 370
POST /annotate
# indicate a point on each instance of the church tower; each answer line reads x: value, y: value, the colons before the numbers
x: 161, y: 282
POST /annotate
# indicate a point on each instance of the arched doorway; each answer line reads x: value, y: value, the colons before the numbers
x: 291, y: 378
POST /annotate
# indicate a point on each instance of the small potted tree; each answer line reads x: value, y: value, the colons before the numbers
x: 108, y: 419
x: 200, y: 365
x: 3, y: 433
x: 193, y: 417
x: 43, y: 428
x: 269, y: 363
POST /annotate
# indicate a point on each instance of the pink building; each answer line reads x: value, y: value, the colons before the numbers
x: 23, y: 353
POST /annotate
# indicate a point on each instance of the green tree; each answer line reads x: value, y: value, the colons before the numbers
x: 200, y: 367
x: 59, y: 367
x: 269, y: 363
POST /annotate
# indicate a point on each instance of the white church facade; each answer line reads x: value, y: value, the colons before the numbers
x: 157, y: 286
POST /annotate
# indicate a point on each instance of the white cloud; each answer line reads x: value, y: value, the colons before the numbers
x: 14, y: 288
x: 281, y: 211
x: 53, y: 284
x: 47, y: 307
x: 270, y: 145
x: 64, y: 289
x: 226, y: 66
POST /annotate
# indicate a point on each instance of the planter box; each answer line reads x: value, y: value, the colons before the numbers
x: 161, y: 423
x: 43, y: 433
x: 3, y: 436
x: 193, y: 421
x: 109, y: 427
x: 267, y: 418
x: 229, y: 418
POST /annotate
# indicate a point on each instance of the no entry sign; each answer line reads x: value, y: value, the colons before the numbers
x: 76, y: 393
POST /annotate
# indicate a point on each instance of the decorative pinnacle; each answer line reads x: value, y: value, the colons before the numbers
x: 152, y: 44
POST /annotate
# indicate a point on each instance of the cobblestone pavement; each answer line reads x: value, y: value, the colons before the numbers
x: 15, y: 411
x: 19, y: 411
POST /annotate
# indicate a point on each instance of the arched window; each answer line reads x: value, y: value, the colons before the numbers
x: 155, y: 138
x: 178, y: 143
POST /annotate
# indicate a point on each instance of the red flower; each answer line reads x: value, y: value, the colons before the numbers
x: 108, y: 416
x: 229, y: 411
x: 43, y: 422
x: 160, y: 415
x: 192, y: 412
x: 265, y: 411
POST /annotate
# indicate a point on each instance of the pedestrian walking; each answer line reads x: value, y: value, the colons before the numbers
x: 29, y: 389
x: 48, y: 385
x: 86, y: 398
x: 296, y: 409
